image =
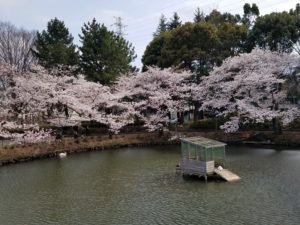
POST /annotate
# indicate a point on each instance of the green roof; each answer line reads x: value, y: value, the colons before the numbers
x: 202, y: 141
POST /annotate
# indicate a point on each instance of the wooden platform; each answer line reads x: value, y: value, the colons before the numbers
x: 227, y: 175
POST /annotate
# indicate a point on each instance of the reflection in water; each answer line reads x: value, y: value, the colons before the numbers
x: 140, y: 186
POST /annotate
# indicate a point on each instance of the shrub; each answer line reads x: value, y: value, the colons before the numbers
x: 205, y: 124
x: 295, y: 125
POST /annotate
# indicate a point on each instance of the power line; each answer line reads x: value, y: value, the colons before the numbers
x: 156, y: 15
x: 161, y: 11
x: 230, y: 9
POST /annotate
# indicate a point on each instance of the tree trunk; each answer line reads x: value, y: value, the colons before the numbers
x: 196, y: 111
x: 277, y: 126
x: 276, y: 122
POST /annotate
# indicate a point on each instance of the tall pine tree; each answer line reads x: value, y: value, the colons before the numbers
x: 250, y: 14
x: 54, y: 46
x: 162, y: 26
x: 199, y: 16
x: 104, y: 55
x: 175, y: 22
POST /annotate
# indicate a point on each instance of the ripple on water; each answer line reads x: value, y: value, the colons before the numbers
x: 139, y: 186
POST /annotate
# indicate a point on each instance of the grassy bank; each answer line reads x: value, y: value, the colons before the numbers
x: 19, y: 153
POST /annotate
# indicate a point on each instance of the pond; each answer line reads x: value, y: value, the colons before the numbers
x: 139, y: 186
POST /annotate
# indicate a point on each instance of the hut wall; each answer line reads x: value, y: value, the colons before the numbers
x: 195, y: 167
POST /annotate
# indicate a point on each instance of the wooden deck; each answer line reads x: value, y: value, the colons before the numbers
x: 227, y: 175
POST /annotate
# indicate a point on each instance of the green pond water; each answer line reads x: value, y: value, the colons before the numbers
x: 139, y: 186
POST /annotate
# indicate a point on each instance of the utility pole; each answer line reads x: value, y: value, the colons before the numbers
x: 119, y: 27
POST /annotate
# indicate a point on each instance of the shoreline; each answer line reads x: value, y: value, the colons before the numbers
x: 12, y: 154
x: 27, y: 152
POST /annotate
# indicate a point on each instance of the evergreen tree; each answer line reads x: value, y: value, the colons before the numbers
x: 217, y: 18
x: 250, y: 14
x: 296, y: 12
x: 104, y: 55
x: 198, y: 16
x: 198, y: 47
x: 276, y: 32
x: 162, y: 26
x: 175, y: 22
x: 193, y: 46
x: 55, y: 46
x: 152, y: 54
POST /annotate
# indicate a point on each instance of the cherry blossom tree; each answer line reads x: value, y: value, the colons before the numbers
x: 12, y: 108
x: 31, y: 133
x: 154, y: 94
x: 61, y: 99
x: 248, y: 88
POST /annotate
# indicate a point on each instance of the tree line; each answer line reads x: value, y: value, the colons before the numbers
x: 201, y: 45
x: 198, y: 46
x: 251, y: 88
x: 102, y: 56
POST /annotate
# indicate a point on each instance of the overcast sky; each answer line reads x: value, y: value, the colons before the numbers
x: 141, y: 17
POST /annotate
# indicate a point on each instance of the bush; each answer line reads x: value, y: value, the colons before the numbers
x: 295, y: 125
x: 210, y: 124
x: 257, y: 126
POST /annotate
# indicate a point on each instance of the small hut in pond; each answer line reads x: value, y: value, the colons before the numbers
x: 201, y: 155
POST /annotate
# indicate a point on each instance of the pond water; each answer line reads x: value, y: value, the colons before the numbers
x: 139, y: 186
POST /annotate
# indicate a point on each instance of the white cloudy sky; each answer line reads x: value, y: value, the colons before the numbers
x: 140, y: 16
